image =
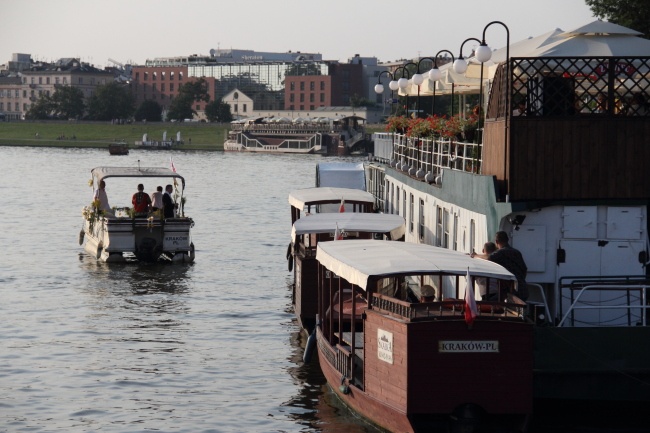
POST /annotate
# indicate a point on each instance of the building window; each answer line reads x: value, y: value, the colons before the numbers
x: 171, y: 87
x: 311, y: 97
x: 162, y: 87
x: 244, y: 108
x: 24, y: 93
x: 155, y: 74
x: 322, y: 85
x: 322, y: 97
x: 302, y: 97
x: 302, y: 107
x: 146, y: 76
x: 33, y: 80
x: 137, y: 76
x: 65, y: 80
x: 421, y: 221
x: 180, y: 76
x: 171, y: 75
x: 302, y: 85
x: 291, y: 97
x: 438, y: 226
x: 454, y: 240
x: 40, y: 80
x: 292, y: 86
x: 472, y: 234
x: 162, y: 75
x: 312, y: 108
x: 445, y: 228
x: 81, y: 80
x: 397, y: 201
x: 312, y: 86
x: 154, y: 87
x: 47, y: 80
x: 404, y: 204
x: 291, y: 107
x: 411, y: 213
x: 56, y: 80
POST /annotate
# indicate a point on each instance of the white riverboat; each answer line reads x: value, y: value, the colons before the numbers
x: 118, y: 234
x: 566, y: 179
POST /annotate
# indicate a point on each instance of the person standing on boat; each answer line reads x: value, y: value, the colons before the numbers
x: 157, y: 199
x: 489, y: 292
x: 141, y: 201
x: 511, y: 259
x: 100, y: 194
x: 168, y: 203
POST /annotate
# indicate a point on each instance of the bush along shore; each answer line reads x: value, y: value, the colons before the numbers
x: 194, y: 135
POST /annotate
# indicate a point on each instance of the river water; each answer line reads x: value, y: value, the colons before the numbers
x: 207, y: 347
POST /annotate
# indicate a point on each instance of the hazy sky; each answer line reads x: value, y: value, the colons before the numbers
x: 137, y: 30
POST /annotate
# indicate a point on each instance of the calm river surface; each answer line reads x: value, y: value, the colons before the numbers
x: 207, y: 347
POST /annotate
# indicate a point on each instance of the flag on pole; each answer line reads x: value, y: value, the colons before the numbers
x: 338, y: 235
x: 470, y: 303
x: 171, y: 161
x: 342, y: 206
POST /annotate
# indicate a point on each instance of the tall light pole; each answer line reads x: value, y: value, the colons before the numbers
x: 379, y: 88
x: 483, y: 54
x: 436, y: 75
x: 418, y: 78
x: 460, y: 64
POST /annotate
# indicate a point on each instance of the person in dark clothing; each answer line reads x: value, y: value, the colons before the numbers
x: 511, y: 259
x: 169, y: 206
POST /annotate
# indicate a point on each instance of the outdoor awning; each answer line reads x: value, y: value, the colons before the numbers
x: 311, y: 196
x: 350, y: 222
x: 101, y: 173
x: 358, y: 261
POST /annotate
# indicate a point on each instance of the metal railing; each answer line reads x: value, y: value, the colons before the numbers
x: 426, y: 158
x: 580, y: 302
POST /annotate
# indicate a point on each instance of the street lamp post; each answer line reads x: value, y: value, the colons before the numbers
x: 460, y: 64
x: 435, y: 75
x: 379, y: 88
x: 418, y: 78
x: 483, y: 54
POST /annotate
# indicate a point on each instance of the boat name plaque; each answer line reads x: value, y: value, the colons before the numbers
x: 385, y: 345
x: 460, y: 346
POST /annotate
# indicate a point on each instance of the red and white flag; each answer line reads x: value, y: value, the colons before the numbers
x: 338, y: 234
x: 171, y: 161
x: 470, y: 303
x: 342, y: 206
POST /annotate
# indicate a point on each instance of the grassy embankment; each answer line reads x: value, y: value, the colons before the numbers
x: 204, y: 136
x: 101, y: 134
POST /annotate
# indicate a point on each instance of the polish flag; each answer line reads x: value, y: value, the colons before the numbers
x: 342, y: 206
x: 470, y: 303
x: 171, y: 161
x: 338, y: 235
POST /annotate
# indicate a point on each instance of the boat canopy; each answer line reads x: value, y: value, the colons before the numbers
x: 341, y: 174
x: 360, y: 260
x: 320, y: 195
x: 350, y: 222
x: 101, y: 173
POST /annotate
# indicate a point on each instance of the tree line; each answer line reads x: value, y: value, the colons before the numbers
x: 115, y: 101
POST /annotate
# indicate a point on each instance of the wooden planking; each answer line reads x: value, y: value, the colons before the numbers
x: 571, y: 158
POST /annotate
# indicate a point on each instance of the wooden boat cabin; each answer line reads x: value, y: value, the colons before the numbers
x: 307, y: 232
x: 406, y: 362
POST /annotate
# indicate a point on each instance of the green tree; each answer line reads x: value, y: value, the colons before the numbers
x: 149, y: 110
x: 110, y: 101
x: 634, y: 14
x: 181, y: 106
x: 218, y: 111
x: 67, y: 103
x: 41, y: 109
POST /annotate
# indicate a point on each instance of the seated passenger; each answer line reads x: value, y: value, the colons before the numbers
x: 141, y: 202
x: 427, y: 294
x: 490, y: 293
x: 157, y: 199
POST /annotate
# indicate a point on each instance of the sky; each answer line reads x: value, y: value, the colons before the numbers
x: 132, y: 31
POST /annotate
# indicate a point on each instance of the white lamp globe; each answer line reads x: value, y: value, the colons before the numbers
x: 402, y: 83
x: 483, y: 53
x: 435, y: 74
x: 460, y: 65
x: 393, y: 85
x: 417, y: 79
x: 379, y: 88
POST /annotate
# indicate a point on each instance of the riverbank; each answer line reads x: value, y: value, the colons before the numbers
x: 195, y: 136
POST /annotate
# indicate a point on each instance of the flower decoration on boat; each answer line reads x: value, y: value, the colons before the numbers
x: 90, y: 183
x: 92, y: 213
x: 397, y: 124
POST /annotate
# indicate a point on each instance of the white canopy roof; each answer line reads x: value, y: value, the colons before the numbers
x: 596, y: 39
x: 101, y: 173
x: 350, y: 222
x: 311, y: 196
x: 357, y: 261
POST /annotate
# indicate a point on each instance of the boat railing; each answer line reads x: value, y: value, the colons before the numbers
x: 425, y: 158
x: 288, y: 128
x: 590, y: 304
x: 447, y: 309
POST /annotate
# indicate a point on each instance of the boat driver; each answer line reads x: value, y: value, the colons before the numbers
x: 141, y: 201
